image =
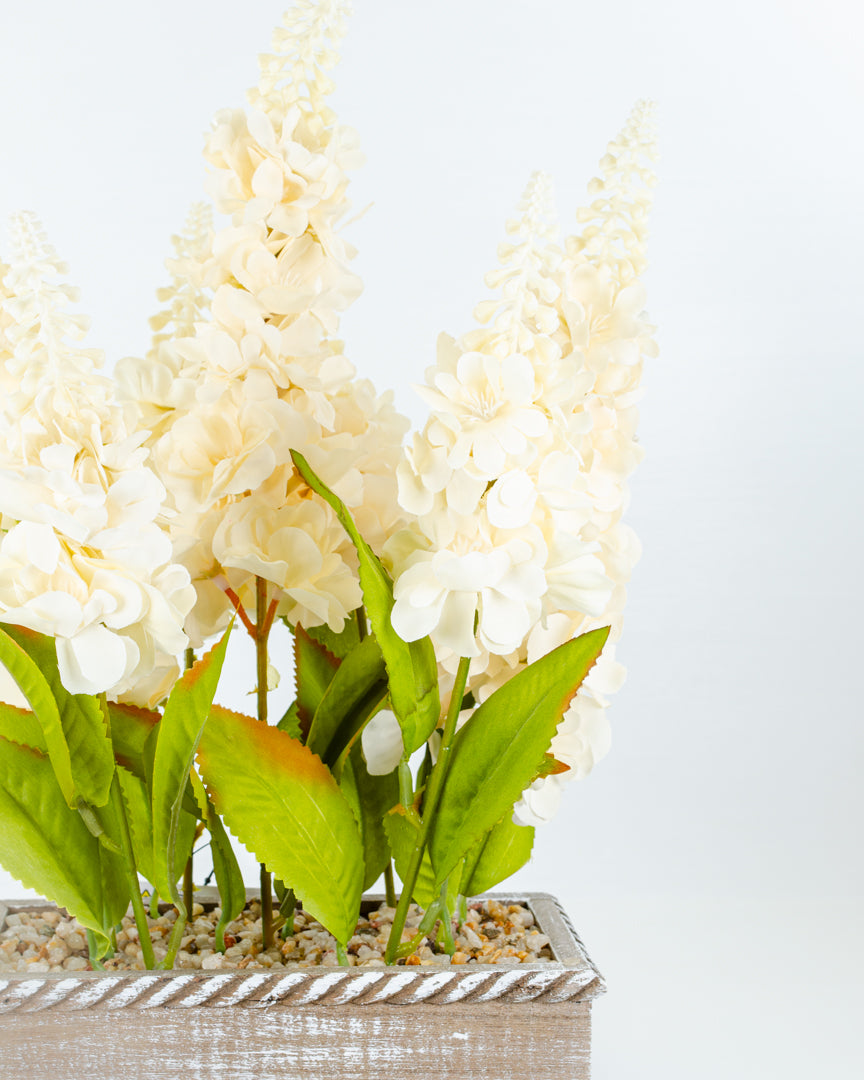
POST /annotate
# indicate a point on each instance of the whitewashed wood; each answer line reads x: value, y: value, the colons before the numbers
x: 531, y: 1021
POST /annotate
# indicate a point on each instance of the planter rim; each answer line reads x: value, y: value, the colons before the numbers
x: 570, y: 976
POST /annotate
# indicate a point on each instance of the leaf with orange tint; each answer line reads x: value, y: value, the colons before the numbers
x: 501, y: 749
x: 130, y: 729
x: 314, y: 669
x: 551, y: 767
x: 283, y: 804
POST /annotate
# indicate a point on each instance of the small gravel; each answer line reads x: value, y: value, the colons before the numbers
x: 493, y: 933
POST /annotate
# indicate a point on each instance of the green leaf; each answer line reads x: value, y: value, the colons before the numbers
x: 47, y: 847
x: 177, y: 737
x: 21, y: 726
x: 130, y: 729
x: 282, y: 802
x: 34, y: 686
x: 85, y: 740
x: 503, y: 851
x: 195, y: 800
x: 411, y: 667
x: 139, y: 813
x: 229, y: 879
x: 370, y: 797
x: 339, y: 645
x: 314, y: 668
x: 402, y: 835
x: 290, y: 722
x: 358, y: 685
x: 501, y: 749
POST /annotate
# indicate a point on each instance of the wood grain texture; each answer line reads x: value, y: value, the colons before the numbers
x: 484, y: 1042
x: 530, y: 1021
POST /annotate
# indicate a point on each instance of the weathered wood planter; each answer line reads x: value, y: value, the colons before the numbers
x: 478, y: 1022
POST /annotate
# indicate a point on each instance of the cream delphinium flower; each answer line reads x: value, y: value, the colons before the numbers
x: 519, y: 477
x: 82, y: 556
x: 485, y: 544
x: 605, y: 329
x: 163, y: 384
x: 269, y: 372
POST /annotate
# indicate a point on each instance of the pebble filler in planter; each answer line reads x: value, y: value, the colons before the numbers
x: 454, y: 601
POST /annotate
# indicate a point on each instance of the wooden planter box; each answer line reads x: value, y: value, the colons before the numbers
x: 479, y: 1022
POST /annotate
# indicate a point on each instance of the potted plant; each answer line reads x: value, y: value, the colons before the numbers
x: 454, y: 604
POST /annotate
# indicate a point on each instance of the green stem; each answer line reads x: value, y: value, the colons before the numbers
x: 154, y: 905
x: 262, y: 631
x: 266, y: 909
x: 131, y: 871
x: 430, y: 804
x: 261, y: 646
x: 406, y: 787
x: 188, y: 882
x: 389, y: 885
x: 174, y: 941
x: 423, y: 930
x: 362, y: 628
x: 286, y: 910
x: 188, y: 886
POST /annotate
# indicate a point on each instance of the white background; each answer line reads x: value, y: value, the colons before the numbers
x: 712, y: 862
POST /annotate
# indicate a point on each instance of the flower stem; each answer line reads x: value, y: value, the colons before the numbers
x: 428, y: 921
x: 261, y: 645
x: 175, y: 940
x: 267, y: 909
x: 406, y: 787
x: 263, y: 622
x: 188, y: 886
x: 389, y: 885
x: 241, y: 611
x: 430, y: 805
x: 132, y: 874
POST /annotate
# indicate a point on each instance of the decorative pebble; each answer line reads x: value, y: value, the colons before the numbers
x: 492, y: 933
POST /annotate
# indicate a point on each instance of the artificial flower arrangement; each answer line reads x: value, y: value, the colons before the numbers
x: 454, y: 601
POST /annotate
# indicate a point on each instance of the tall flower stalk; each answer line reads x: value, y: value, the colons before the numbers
x: 83, y: 555
x: 268, y: 372
x: 518, y: 480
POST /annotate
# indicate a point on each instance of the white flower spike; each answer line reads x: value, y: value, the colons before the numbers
x: 82, y: 555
